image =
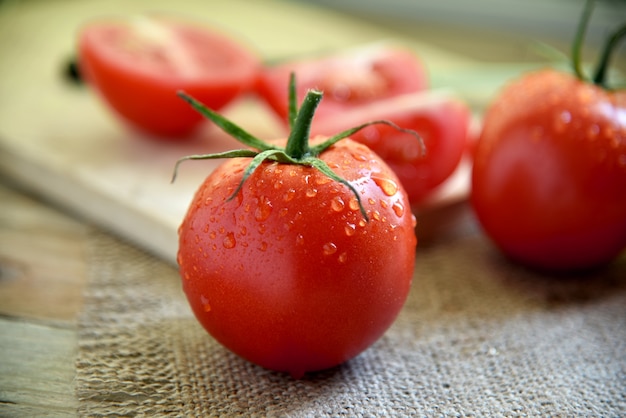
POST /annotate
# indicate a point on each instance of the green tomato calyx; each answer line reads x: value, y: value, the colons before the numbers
x: 298, y: 151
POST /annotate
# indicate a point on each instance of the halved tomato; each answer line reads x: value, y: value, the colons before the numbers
x: 139, y: 64
x: 348, y: 79
x: 441, y: 119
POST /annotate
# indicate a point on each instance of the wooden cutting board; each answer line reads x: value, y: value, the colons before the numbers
x: 58, y: 139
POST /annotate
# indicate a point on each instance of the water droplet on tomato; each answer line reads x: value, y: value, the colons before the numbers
x: 263, y: 246
x: 289, y: 195
x: 337, y: 204
x: 342, y: 257
x: 329, y: 248
x: 263, y: 210
x: 359, y: 156
x: 321, y: 180
x: 388, y: 186
x: 593, y: 131
x: 299, y: 239
x: 229, y: 241
x: 205, y: 303
x: 278, y: 184
x: 376, y: 215
x: 353, y: 203
x: 398, y: 209
x: 311, y: 192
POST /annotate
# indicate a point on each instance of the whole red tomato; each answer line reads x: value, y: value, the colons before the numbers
x: 442, y: 121
x: 138, y: 65
x: 549, y: 175
x: 301, y: 257
x: 348, y: 79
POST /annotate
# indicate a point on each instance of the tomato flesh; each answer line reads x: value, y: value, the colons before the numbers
x: 348, y: 80
x: 288, y: 274
x: 139, y: 65
x: 549, y: 175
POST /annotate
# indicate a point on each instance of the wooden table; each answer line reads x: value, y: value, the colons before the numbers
x: 43, y: 273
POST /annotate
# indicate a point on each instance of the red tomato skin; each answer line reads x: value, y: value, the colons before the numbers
x: 145, y: 96
x: 442, y: 121
x: 287, y: 274
x: 348, y: 80
x: 549, y: 174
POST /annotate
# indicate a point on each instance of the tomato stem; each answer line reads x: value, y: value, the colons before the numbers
x: 609, y: 47
x: 298, y: 141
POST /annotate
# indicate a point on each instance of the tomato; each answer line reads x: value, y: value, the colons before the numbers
x: 549, y: 175
x: 348, y: 79
x: 442, y: 121
x: 138, y: 65
x: 294, y: 267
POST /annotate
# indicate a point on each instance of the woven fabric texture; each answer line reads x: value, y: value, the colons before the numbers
x: 477, y: 337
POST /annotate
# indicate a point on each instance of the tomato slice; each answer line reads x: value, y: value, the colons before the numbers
x: 139, y: 64
x: 348, y: 79
x: 442, y: 120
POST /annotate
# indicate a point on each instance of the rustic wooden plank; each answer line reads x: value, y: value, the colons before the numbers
x: 36, y: 370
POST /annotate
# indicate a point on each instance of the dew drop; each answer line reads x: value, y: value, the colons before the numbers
x: 371, y: 201
x: 593, y: 131
x: 283, y: 212
x: 350, y: 229
x: 337, y: 204
x: 353, y: 203
x: 289, y: 195
x: 263, y: 210
x: 329, y: 248
x: 229, y: 241
x: 311, y: 192
x: 342, y: 257
x: 321, y: 180
x: 359, y: 156
x: 278, y: 184
x: 398, y: 209
x: 376, y: 215
x: 362, y: 223
x: 389, y: 187
x: 299, y: 239
x: 205, y: 303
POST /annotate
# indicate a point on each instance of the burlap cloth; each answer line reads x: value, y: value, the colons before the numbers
x: 477, y: 337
